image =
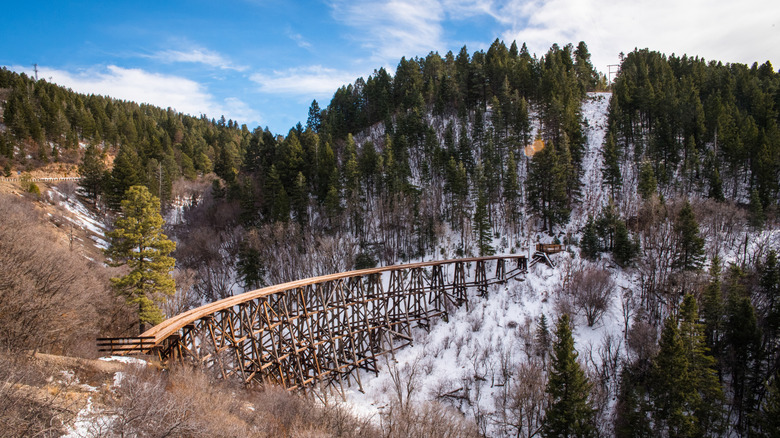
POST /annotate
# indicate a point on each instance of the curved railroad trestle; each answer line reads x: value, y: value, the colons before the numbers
x: 321, y: 328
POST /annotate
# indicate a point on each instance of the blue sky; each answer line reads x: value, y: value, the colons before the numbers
x: 261, y: 62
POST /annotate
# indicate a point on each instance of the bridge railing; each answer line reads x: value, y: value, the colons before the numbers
x: 136, y: 345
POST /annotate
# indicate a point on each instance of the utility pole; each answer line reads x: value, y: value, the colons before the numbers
x: 615, y: 71
x: 35, y: 68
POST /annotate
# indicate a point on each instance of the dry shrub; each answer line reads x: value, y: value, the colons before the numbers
x: 188, y: 402
x: 642, y: 338
x: 527, y: 400
x: 592, y: 289
x: 49, y: 296
x: 28, y: 405
x: 429, y: 419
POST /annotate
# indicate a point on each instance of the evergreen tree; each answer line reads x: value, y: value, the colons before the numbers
x: 633, y: 409
x: 93, y: 174
x: 684, y: 389
x: 712, y: 309
x: 768, y: 415
x: 624, y: 249
x: 769, y: 291
x: 511, y: 189
x: 707, y: 409
x: 589, y: 244
x: 611, y: 170
x: 756, y: 215
x: 690, y: 248
x: 647, y: 185
x: 127, y: 172
x: 542, y: 338
x: 742, y: 340
x: 714, y: 179
x: 250, y: 267
x: 482, y: 226
x: 671, y: 391
x: 138, y: 242
x: 569, y: 414
x: 314, y: 121
x: 546, y: 187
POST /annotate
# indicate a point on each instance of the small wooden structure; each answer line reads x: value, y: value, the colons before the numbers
x: 549, y: 248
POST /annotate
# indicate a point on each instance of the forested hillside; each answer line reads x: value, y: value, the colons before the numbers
x: 670, y: 223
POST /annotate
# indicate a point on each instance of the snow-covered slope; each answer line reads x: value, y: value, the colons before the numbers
x: 472, y: 361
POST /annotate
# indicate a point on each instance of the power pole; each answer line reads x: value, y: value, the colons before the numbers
x: 615, y: 71
x: 35, y: 68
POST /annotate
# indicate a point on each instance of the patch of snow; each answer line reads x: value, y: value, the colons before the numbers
x: 90, y: 422
x: 118, y: 376
x: 124, y: 359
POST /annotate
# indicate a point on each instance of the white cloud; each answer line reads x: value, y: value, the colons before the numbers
x: 317, y: 81
x: 182, y: 94
x: 396, y: 28
x: 730, y: 31
x: 299, y: 40
x: 199, y: 56
x: 727, y: 31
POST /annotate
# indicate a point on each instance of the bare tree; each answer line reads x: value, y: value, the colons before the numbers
x: 592, y: 289
x: 527, y: 400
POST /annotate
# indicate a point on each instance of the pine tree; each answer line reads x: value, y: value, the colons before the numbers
x: 569, y: 414
x: 546, y: 187
x: 138, y: 242
x: 756, y: 215
x: 92, y: 171
x: 632, y: 409
x: 647, y: 185
x: 690, y: 249
x: 768, y: 415
x: 589, y: 244
x: 611, y: 170
x: 127, y: 172
x: 712, y: 309
x: 672, y: 389
x: 742, y: 340
x: 250, y: 267
x: 314, y: 121
x: 624, y: 249
x: 511, y: 189
x: 769, y: 289
x: 542, y: 338
x: 708, y: 394
x: 714, y: 179
x: 482, y: 226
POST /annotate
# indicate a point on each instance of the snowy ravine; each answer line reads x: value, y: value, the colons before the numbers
x: 471, y: 362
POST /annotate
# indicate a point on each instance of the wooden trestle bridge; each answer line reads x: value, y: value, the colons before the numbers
x: 321, y: 328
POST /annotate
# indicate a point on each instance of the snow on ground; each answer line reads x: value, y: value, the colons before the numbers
x: 82, y: 216
x: 471, y: 357
x: 594, y: 112
x: 472, y: 354
x: 124, y: 359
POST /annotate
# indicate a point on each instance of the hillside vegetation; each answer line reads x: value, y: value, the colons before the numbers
x: 666, y: 200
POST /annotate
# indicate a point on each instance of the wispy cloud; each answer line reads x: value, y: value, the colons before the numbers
x: 198, y: 56
x: 182, y: 94
x: 299, y: 40
x: 314, y: 80
x: 395, y: 28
